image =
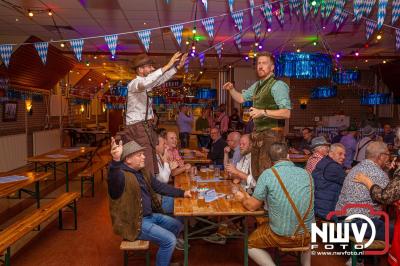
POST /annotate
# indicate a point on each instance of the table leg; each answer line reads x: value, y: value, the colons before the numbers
x: 35, y: 166
x: 66, y: 177
x: 186, y: 242
x: 246, y: 244
x: 55, y: 170
x: 37, y: 194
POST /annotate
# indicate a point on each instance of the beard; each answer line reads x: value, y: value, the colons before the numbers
x: 244, y: 153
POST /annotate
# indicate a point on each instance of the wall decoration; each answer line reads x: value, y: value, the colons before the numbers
x: 10, y: 111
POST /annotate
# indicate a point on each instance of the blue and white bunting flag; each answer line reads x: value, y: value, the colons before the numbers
x: 267, y: 11
x: 208, y: 24
x: 281, y: 13
x: 395, y: 11
x: 370, y: 27
x: 306, y: 8
x: 368, y: 5
x: 111, y: 41
x: 341, y: 19
x: 205, y: 3
x: 230, y: 2
x: 339, y: 6
x: 296, y: 6
x: 257, y: 29
x: 218, y: 48
x: 238, y: 40
x: 41, y: 48
x: 201, y: 59
x: 77, y: 46
x: 381, y: 13
x: 251, y: 2
x: 397, y: 39
x: 238, y: 18
x: 177, y: 31
x: 6, y: 52
x: 144, y: 36
x: 186, y: 65
x: 358, y: 10
x: 330, y: 5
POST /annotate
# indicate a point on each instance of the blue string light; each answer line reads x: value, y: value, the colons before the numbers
x: 346, y: 76
x: 323, y: 92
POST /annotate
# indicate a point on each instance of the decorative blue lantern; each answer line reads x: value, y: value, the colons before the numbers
x: 324, y: 92
x: 206, y: 93
x: 247, y: 104
x: 346, y: 76
x: 303, y: 65
x: 376, y: 98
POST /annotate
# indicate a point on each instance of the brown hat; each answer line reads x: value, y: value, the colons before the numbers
x: 141, y: 60
x: 129, y: 148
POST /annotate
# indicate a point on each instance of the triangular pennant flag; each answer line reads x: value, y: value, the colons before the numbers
x: 251, y: 7
x: 111, y: 41
x: 341, y: 19
x: 205, y: 3
x: 177, y: 31
x: 201, y: 59
x: 316, y: 7
x: 208, y: 24
x: 323, y: 7
x: 296, y: 6
x: 395, y: 11
x: 41, y: 48
x: 238, y: 40
x: 358, y: 10
x: 306, y: 8
x: 218, y: 48
x: 369, y: 29
x: 330, y: 5
x: 230, y: 2
x: 381, y: 13
x: 144, y: 36
x: 6, y: 52
x: 280, y: 14
x: 257, y: 29
x: 238, y: 18
x: 77, y: 46
x: 338, y: 9
x: 267, y: 11
x: 368, y: 5
x: 397, y: 39
x: 186, y: 65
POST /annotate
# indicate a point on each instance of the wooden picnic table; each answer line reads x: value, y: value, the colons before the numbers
x: 199, y: 209
x: 299, y: 158
x: 196, y: 160
x: 200, y: 133
x: 9, y: 188
x: 63, y: 155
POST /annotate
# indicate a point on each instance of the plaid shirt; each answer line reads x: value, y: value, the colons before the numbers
x: 312, y: 161
x: 173, y: 155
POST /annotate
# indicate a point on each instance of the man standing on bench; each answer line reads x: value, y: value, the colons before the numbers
x: 139, y: 114
x: 134, y: 207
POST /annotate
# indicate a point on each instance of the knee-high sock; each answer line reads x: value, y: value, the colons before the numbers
x: 306, y: 258
x: 261, y: 257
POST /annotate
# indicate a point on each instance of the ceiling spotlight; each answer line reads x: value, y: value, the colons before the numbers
x: 113, y: 57
x: 104, y: 73
x: 366, y: 61
x: 323, y: 27
x: 201, y: 72
x: 269, y: 29
x: 187, y: 42
x: 314, y: 3
x: 378, y: 37
x: 16, y: 19
x: 30, y: 13
x: 50, y: 13
x: 298, y: 50
x: 384, y: 61
x: 260, y: 47
x: 194, y: 30
x: 95, y: 57
x: 256, y: 44
x: 62, y: 45
x: 356, y: 53
x: 144, y: 23
x: 337, y: 55
x: 87, y: 64
x: 230, y: 66
x: 246, y: 58
x: 89, y: 79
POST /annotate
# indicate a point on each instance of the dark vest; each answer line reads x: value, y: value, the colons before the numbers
x: 263, y: 99
x: 126, y: 211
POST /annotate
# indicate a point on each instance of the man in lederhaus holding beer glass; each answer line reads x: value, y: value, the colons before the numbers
x: 271, y: 102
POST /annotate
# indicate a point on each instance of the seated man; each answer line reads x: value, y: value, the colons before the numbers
x: 242, y: 171
x: 320, y: 148
x: 232, y: 151
x: 215, y: 151
x: 164, y: 172
x: 377, y: 156
x: 172, y: 154
x: 305, y: 144
x: 329, y: 176
x: 388, y: 135
x: 283, y: 229
x: 134, y: 207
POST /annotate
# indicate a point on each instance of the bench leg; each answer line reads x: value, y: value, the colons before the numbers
x: 102, y: 175
x: 277, y: 257
x: 7, y: 257
x: 82, y: 181
x: 60, y: 221
x: 148, y: 257
x: 353, y: 256
x: 126, y: 258
x: 92, y: 180
x: 75, y: 216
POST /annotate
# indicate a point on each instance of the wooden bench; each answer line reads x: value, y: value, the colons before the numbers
x: 295, y: 251
x: 20, y: 228
x: 138, y: 245
x: 87, y: 175
x: 376, y: 245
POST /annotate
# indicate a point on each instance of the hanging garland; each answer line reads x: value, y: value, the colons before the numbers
x: 324, y: 92
x: 345, y: 77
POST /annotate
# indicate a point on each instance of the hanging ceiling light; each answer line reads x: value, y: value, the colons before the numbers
x: 30, y: 13
x: 50, y: 13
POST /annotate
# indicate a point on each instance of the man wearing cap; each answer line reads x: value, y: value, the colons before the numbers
x: 134, y: 207
x: 271, y: 102
x: 350, y: 143
x: 139, y: 113
x: 369, y: 136
x: 320, y: 148
x: 329, y: 176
